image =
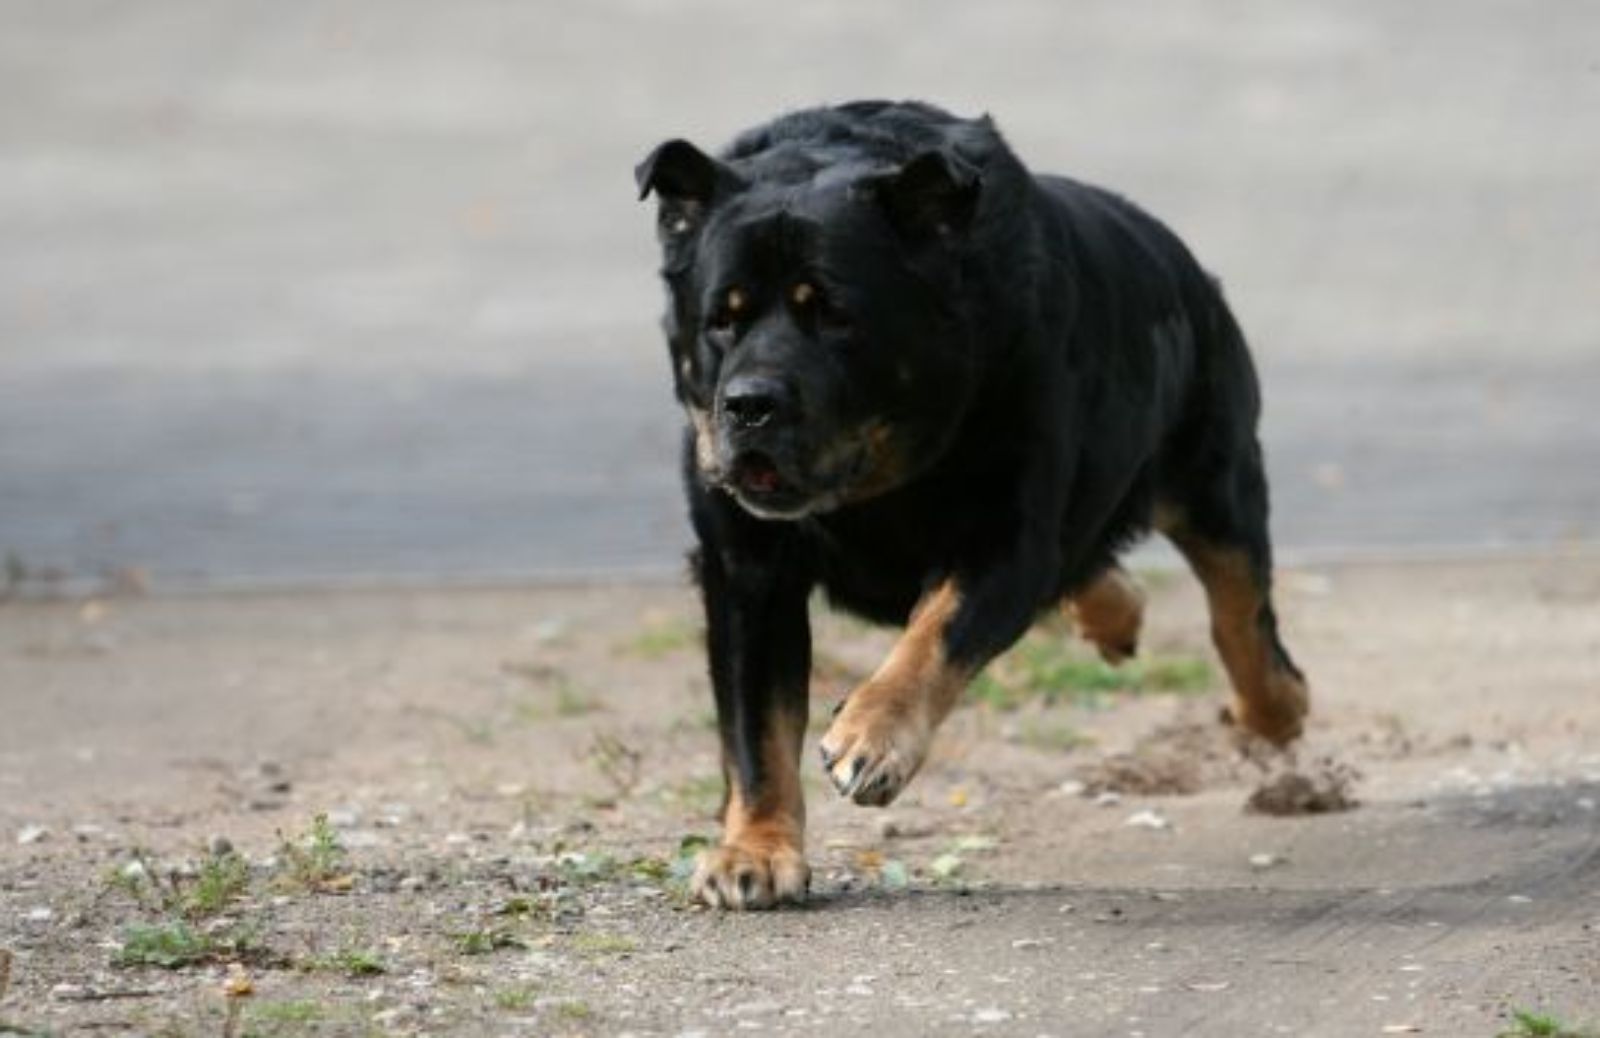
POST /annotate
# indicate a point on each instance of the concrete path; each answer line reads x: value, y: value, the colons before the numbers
x: 306, y: 293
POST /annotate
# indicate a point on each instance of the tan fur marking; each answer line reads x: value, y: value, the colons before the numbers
x: 705, y: 441
x: 761, y: 861
x: 736, y: 300
x: 1268, y: 699
x: 802, y: 293
x: 1109, y: 613
x: 882, y: 733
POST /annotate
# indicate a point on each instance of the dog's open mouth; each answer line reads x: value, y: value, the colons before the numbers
x: 758, y: 481
x: 757, y: 475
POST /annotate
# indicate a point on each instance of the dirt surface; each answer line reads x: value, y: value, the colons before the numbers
x: 508, y: 779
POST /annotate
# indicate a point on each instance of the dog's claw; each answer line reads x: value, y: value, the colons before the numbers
x: 847, y: 787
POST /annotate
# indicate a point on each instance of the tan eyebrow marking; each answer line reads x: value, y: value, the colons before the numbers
x: 735, y: 300
x: 802, y: 293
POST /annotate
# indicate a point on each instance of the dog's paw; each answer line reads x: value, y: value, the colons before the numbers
x: 1279, y: 716
x: 873, y: 747
x: 751, y: 875
x: 1109, y: 614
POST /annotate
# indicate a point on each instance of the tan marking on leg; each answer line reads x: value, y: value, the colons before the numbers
x: 761, y: 862
x: 882, y: 733
x: 1268, y: 698
x: 1109, y: 613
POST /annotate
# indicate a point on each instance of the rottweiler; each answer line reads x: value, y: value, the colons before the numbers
x: 949, y: 392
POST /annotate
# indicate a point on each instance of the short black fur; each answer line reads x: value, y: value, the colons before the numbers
x: 907, y: 360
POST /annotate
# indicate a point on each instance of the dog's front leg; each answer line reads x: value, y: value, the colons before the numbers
x: 882, y: 732
x: 759, y: 641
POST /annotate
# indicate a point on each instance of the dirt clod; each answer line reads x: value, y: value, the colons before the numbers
x: 1321, y: 788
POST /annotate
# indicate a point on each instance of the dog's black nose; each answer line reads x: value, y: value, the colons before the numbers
x: 753, y: 401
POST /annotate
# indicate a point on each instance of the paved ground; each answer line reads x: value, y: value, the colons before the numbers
x: 475, y: 752
x: 298, y: 292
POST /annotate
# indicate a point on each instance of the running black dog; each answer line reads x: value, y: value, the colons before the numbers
x: 948, y: 391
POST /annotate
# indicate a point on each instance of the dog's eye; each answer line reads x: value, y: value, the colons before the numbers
x: 726, y: 313
x: 811, y: 303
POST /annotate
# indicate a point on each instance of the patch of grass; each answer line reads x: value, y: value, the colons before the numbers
x: 485, y: 941
x: 171, y: 945
x: 661, y: 638
x: 351, y: 961
x: 521, y: 997
x: 1153, y: 580
x: 1049, y: 669
x: 285, y: 1014
x: 580, y: 867
x: 595, y: 945
x: 574, y: 1011
x: 1541, y: 1025
x: 315, y: 860
x: 223, y: 879
x: 1052, y: 737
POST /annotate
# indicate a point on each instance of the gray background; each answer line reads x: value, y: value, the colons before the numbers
x: 303, y: 293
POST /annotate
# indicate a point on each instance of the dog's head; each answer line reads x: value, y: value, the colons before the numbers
x: 816, y: 315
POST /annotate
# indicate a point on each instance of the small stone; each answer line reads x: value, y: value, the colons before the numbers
x: 1261, y: 862
x: 88, y: 831
x: 1147, y: 819
x: 1027, y: 943
x: 1209, y: 986
x: 68, y: 992
x: 344, y: 818
x: 1108, y: 798
x: 32, y: 834
x: 39, y: 915
x: 1072, y: 788
x: 991, y: 1015
x: 219, y: 846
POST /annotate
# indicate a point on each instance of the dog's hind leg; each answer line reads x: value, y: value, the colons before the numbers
x: 1109, y: 612
x: 1221, y: 528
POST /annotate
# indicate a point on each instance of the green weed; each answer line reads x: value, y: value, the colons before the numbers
x: 516, y: 998
x: 168, y: 945
x: 1541, y: 1025
x: 483, y: 942
x: 315, y: 860
x: 1049, y: 669
x: 351, y: 961
x: 661, y: 639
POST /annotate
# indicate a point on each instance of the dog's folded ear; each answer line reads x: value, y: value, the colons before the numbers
x: 677, y: 171
x: 935, y: 195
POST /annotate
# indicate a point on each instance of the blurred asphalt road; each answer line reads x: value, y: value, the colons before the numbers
x: 308, y: 292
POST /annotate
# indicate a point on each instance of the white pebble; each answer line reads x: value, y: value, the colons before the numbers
x: 1147, y: 819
